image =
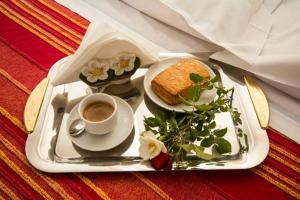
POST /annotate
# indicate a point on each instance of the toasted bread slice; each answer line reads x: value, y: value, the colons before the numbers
x: 175, y: 80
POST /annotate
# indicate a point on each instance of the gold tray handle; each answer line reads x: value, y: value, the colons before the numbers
x: 259, y: 101
x: 33, y: 105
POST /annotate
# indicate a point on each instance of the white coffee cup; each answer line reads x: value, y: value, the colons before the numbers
x: 99, y: 127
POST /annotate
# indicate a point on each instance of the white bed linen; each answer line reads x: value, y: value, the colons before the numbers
x: 263, y: 34
x: 285, y: 110
x: 160, y: 33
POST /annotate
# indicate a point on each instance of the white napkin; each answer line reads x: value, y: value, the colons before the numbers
x: 259, y: 36
x: 101, y: 41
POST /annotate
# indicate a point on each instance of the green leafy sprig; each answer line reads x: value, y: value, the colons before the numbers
x: 194, y: 131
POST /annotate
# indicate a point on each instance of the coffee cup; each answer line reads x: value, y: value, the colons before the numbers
x: 99, y: 113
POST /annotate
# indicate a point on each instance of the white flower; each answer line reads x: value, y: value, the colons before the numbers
x: 96, y: 70
x: 150, y: 147
x: 123, y: 62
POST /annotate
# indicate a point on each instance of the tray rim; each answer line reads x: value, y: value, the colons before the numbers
x: 33, y: 139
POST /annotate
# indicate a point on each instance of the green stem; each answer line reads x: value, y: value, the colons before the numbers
x: 231, y: 97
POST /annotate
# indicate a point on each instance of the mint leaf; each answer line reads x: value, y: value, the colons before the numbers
x: 215, y: 79
x: 173, y: 125
x: 151, y: 122
x: 220, y: 101
x: 200, y: 154
x: 224, y: 109
x: 159, y: 120
x: 204, y: 107
x: 193, y: 134
x: 211, y: 125
x: 196, y: 78
x: 220, y: 132
x: 222, y: 146
x: 194, y: 93
x: 204, y: 132
x: 187, y: 147
x: 207, y: 142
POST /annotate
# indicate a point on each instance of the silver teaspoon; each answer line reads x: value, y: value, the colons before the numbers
x: 76, y: 128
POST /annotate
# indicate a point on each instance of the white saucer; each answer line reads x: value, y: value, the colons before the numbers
x: 110, y: 140
x: 206, y: 96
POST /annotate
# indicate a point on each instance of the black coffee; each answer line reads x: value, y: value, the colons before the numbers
x: 98, y: 111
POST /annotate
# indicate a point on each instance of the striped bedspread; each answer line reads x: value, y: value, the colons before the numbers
x: 34, y: 34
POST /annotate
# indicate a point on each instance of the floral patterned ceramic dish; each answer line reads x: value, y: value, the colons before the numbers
x: 100, y: 72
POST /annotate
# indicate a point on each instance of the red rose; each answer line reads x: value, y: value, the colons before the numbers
x: 162, y: 161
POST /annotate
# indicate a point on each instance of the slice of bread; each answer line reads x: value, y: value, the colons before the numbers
x: 175, y: 80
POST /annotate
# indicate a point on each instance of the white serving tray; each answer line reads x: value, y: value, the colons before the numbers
x: 40, y: 148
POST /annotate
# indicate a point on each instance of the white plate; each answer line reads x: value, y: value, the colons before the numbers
x: 110, y: 140
x: 206, y: 96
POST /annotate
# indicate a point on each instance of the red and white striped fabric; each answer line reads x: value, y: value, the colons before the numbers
x: 33, y: 36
